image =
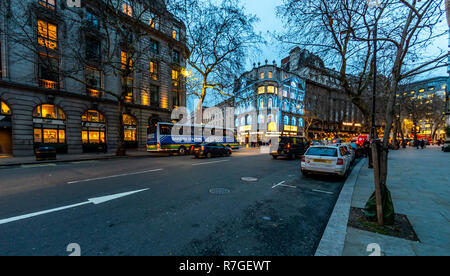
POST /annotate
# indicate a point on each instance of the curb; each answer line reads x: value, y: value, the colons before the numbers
x: 72, y: 160
x: 333, y: 239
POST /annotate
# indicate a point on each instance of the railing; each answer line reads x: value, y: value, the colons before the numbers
x: 48, y: 84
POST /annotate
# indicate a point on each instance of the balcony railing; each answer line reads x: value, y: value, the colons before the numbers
x: 48, y: 84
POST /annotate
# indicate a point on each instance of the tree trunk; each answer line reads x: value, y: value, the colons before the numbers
x: 121, y: 151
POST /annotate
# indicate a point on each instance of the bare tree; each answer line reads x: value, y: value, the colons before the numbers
x: 343, y: 32
x: 220, y: 35
x: 106, y: 37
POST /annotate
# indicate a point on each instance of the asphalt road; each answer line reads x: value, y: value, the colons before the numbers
x: 281, y: 214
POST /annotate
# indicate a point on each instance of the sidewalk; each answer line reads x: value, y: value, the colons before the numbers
x: 30, y: 160
x: 419, y: 183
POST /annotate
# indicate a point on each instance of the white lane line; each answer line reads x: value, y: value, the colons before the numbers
x: 206, y: 163
x: 95, y: 201
x: 113, y: 176
x: 279, y: 184
x: 324, y: 192
x: 289, y: 186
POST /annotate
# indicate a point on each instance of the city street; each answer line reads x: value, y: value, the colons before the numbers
x: 181, y: 206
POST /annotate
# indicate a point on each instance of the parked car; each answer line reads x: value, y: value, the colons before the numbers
x: 334, y: 160
x: 352, y: 152
x: 210, y: 150
x: 290, y: 147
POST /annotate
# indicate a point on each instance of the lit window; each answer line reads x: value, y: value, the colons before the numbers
x: 47, y: 35
x: 5, y: 110
x: 154, y: 70
x: 127, y: 8
x: 270, y: 75
x: 48, y: 4
x: 261, y: 90
x: 176, y: 33
x: 262, y: 75
x: 130, y: 128
x: 126, y: 61
x: 270, y: 89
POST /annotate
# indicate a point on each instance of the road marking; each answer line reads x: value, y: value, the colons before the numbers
x: 113, y: 176
x: 38, y: 166
x: 212, y: 162
x: 95, y: 201
x: 324, y: 192
x: 279, y: 184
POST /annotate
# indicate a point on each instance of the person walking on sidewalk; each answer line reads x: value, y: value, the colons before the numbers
x: 422, y: 144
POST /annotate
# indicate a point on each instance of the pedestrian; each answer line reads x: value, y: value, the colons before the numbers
x: 439, y: 142
x: 422, y: 144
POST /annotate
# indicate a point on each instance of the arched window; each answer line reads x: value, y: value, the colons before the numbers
x: 130, y: 129
x: 270, y: 103
x: 93, y: 131
x: 286, y: 106
x: 236, y: 123
x: 261, y: 103
x: 49, y: 122
x: 286, y: 120
x: 5, y: 110
x: 242, y: 121
x: 300, y: 122
x: 294, y: 121
x: 248, y: 119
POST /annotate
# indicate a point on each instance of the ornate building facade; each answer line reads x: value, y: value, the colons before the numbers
x: 62, y: 87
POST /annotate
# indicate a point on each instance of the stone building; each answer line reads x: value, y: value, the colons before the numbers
x: 329, y: 109
x: 268, y: 102
x: 58, y: 88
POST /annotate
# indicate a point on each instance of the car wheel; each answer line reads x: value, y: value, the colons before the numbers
x: 274, y: 157
x: 182, y: 151
x: 305, y: 173
x: 209, y: 155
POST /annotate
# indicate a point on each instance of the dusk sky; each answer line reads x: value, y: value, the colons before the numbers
x: 269, y: 22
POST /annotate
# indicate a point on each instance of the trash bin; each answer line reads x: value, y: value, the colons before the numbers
x: 45, y: 153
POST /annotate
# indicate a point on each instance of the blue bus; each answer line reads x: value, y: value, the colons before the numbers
x: 160, y: 138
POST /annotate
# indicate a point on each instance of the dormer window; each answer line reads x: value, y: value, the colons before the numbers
x: 50, y: 4
x: 176, y: 33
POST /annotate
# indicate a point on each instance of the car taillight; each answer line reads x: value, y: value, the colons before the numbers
x: 289, y: 146
x: 203, y: 148
x: 340, y: 162
x: 192, y: 148
x: 158, y: 146
x: 303, y: 158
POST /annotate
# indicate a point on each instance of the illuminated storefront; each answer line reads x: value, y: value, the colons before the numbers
x: 130, y: 131
x: 5, y: 130
x: 49, y: 124
x: 93, y: 131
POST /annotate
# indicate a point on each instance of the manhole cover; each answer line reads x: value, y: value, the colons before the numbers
x: 219, y: 191
x: 249, y: 179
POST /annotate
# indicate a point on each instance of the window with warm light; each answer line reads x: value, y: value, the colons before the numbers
x: 5, y: 110
x: 126, y: 61
x: 94, y: 127
x: 270, y: 89
x: 50, y: 4
x: 130, y: 128
x: 49, y: 133
x: 176, y: 33
x: 270, y: 75
x: 127, y: 8
x: 47, y: 35
x: 261, y: 90
x: 154, y: 70
x: 175, y: 77
x: 128, y: 88
x: 262, y: 75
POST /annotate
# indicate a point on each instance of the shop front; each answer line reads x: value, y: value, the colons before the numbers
x: 5, y: 130
x: 130, y: 131
x: 49, y: 124
x: 93, y: 131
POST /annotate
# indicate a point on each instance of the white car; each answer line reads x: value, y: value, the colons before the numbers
x: 334, y: 159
